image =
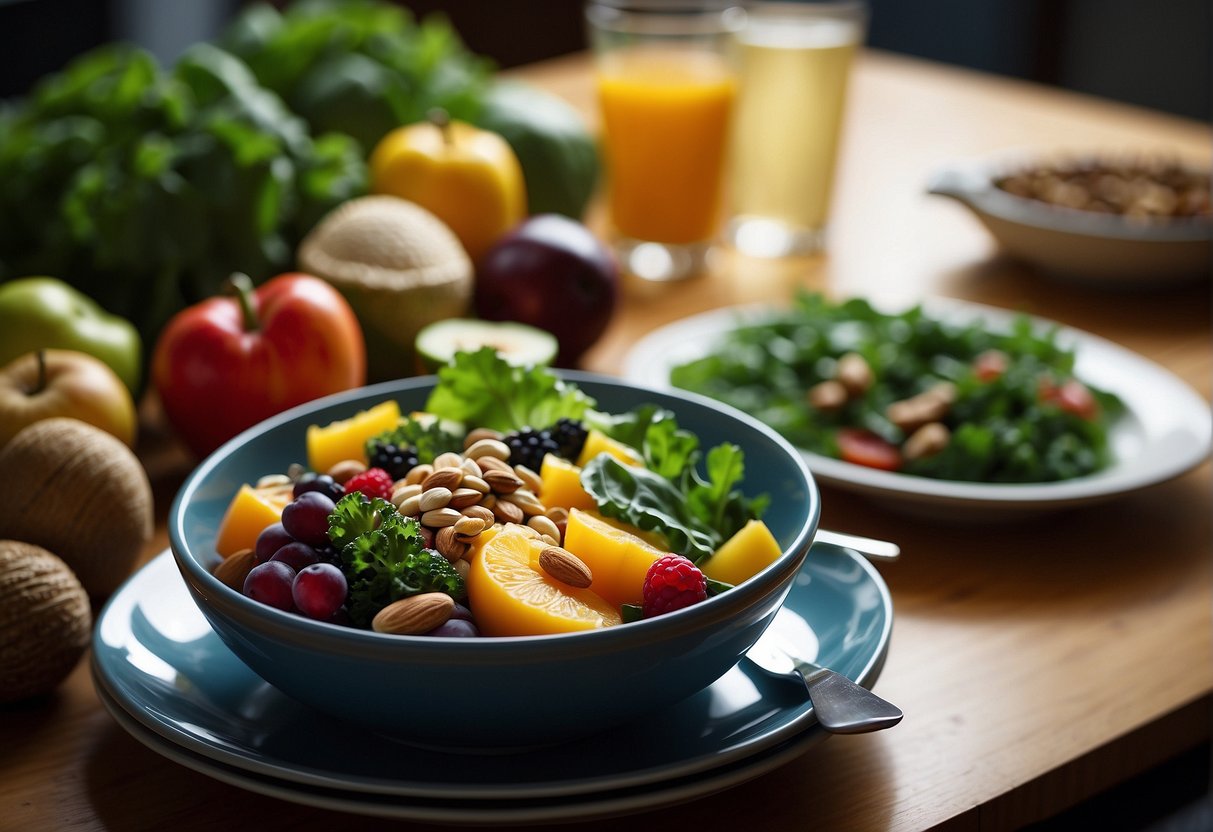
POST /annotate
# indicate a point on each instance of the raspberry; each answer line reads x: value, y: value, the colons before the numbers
x: 672, y: 582
x: 373, y: 482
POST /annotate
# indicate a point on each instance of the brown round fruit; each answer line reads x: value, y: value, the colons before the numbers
x: 45, y: 621
x: 79, y: 492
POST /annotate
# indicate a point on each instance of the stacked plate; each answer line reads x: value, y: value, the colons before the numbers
x: 168, y: 680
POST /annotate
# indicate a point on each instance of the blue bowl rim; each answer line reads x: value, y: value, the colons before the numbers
x: 322, y: 636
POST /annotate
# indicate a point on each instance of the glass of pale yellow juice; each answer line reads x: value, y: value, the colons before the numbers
x: 666, y: 92
x: 793, y: 60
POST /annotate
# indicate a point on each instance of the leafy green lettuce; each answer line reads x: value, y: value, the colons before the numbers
x: 481, y: 389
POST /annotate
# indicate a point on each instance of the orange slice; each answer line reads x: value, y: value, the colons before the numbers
x: 512, y: 596
x: 618, y: 555
x: 250, y: 511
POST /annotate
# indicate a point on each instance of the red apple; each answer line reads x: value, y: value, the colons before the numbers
x: 47, y: 383
x: 550, y: 272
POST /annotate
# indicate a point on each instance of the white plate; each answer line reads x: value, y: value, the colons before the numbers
x: 1166, y: 430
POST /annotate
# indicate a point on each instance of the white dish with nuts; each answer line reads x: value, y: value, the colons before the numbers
x: 1114, y: 224
x: 1165, y: 430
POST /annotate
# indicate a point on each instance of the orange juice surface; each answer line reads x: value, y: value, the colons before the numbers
x: 665, y: 116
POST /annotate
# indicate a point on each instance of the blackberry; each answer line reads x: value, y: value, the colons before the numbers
x: 395, y: 460
x: 528, y: 447
x: 570, y: 434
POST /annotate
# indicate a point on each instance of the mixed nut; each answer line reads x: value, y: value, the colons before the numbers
x: 1130, y: 188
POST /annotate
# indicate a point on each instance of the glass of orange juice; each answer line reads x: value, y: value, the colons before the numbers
x: 666, y: 89
x: 793, y: 61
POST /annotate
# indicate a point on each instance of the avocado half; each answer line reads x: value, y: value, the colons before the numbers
x: 517, y: 343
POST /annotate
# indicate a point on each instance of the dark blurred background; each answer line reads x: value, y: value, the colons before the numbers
x: 1155, y: 53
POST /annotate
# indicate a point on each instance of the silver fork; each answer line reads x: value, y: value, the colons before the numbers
x: 842, y: 706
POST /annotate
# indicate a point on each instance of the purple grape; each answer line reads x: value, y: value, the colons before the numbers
x: 461, y: 612
x: 271, y: 539
x: 322, y: 483
x: 270, y: 583
x: 455, y: 628
x: 319, y: 591
x: 296, y: 555
x: 307, y: 518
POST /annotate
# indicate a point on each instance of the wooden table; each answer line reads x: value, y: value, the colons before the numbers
x: 1037, y: 663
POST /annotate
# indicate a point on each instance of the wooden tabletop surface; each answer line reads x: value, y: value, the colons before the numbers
x: 1037, y: 663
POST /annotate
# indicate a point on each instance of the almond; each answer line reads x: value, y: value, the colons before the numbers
x: 477, y: 434
x: 489, y: 463
x: 502, y: 482
x: 508, y: 512
x: 565, y: 567
x: 414, y: 615
x: 233, y: 569
x: 464, y: 497
x: 448, y: 478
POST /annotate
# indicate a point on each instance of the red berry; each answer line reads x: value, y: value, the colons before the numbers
x: 373, y: 482
x: 672, y: 582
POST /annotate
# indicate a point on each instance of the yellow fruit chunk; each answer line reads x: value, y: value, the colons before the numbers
x: 345, y: 439
x: 617, y: 554
x: 562, y: 484
x: 745, y: 554
x: 597, y: 442
x: 513, y: 596
x: 250, y: 511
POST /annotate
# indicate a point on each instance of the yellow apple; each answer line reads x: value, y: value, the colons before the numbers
x: 40, y: 385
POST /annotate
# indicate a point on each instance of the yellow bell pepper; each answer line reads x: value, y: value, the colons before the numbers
x: 469, y: 178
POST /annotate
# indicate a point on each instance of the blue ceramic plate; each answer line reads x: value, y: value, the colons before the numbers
x: 157, y: 660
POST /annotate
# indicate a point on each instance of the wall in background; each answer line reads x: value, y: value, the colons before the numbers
x: 1156, y: 53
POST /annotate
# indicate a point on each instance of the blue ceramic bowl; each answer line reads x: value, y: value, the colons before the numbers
x: 493, y: 693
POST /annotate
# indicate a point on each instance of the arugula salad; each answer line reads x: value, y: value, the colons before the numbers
x: 907, y: 393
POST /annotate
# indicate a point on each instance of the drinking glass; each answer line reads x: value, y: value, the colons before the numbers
x: 793, y: 60
x: 665, y: 90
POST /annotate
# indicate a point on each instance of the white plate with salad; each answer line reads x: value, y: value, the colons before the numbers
x: 1134, y: 424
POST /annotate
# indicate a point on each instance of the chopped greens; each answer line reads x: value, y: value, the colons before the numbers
x: 1008, y: 426
x: 387, y: 556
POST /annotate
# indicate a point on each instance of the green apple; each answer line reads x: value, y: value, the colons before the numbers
x: 47, y: 383
x: 44, y: 313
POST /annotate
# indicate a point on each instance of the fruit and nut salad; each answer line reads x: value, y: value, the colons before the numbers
x: 510, y: 506
x: 908, y: 393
